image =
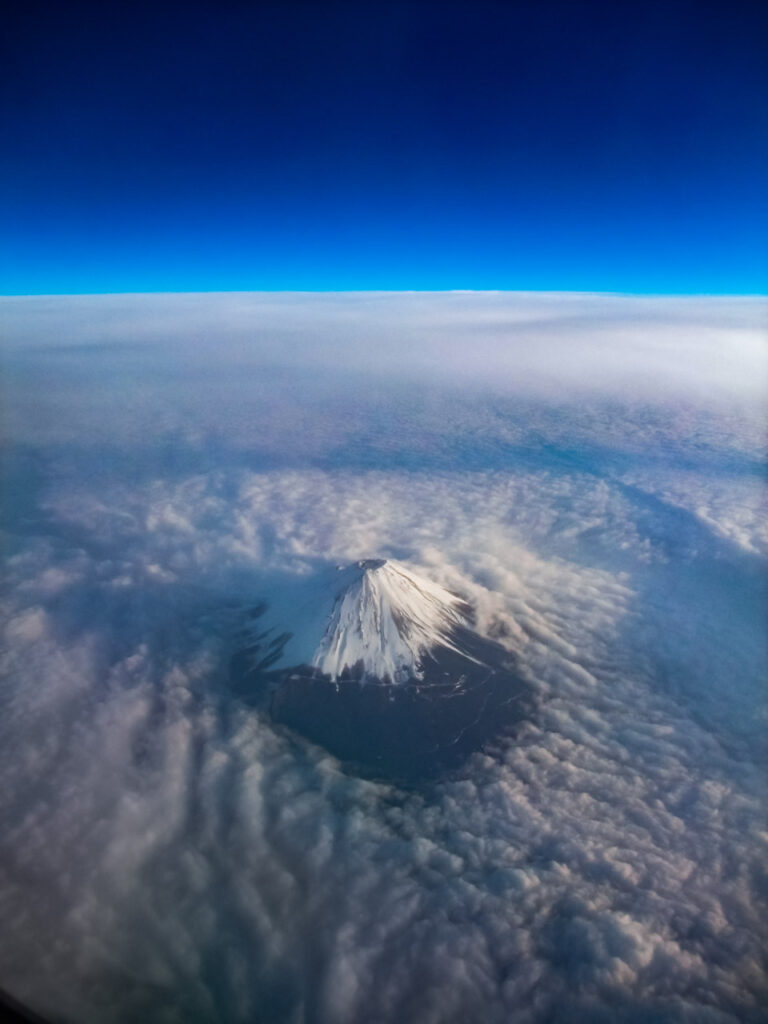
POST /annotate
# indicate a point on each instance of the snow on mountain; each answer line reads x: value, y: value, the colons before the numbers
x: 385, y: 619
x: 374, y: 618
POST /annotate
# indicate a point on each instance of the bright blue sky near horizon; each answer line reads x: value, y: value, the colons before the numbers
x: 340, y: 146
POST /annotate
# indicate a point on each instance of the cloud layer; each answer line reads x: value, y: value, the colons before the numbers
x: 167, y: 854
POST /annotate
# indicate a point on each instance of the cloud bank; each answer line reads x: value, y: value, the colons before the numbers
x: 586, y: 470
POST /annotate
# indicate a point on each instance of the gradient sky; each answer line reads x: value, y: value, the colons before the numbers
x: 332, y: 146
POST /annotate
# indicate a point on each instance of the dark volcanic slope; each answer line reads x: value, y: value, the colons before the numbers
x: 415, y: 729
x: 399, y: 684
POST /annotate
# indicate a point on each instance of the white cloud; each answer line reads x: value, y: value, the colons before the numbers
x: 167, y: 854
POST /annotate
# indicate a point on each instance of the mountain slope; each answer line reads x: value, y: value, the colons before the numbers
x: 385, y: 621
x: 393, y: 678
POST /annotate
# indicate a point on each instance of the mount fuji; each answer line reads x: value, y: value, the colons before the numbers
x: 383, y: 668
x: 385, y: 623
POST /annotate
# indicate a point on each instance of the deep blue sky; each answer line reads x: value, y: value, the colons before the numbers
x: 293, y: 145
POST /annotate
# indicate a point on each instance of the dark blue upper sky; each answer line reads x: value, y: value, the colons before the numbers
x: 294, y: 145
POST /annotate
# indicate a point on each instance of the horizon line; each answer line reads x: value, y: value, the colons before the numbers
x: 391, y: 291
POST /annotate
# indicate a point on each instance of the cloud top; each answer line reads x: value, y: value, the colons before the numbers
x: 175, y: 462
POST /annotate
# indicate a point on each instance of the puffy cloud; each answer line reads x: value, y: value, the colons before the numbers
x: 167, y: 854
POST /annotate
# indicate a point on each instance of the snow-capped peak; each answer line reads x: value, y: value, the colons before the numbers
x: 385, y: 619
